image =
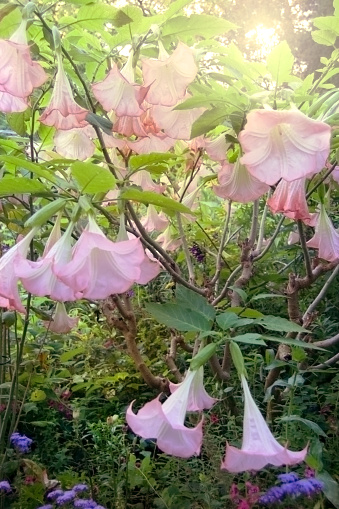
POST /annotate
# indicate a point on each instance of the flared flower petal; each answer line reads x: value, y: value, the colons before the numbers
x: 116, y: 93
x: 75, y: 143
x: 289, y: 198
x: 63, y: 112
x: 154, y: 221
x: 61, y: 323
x: 326, y: 238
x: 11, y: 104
x: 198, y: 399
x: 40, y: 277
x: 165, y: 422
x: 129, y: 126
x: 11, y: 260
x: 168, y: 239
x: 237, y: 184
x: 100, y: 267
x: 284, y: 144
x: 259, y: 447
x: 152, y: 143
x: 216, y: 149
x: 176, y: 124
x: 168, y: 77
x: 143, y: 179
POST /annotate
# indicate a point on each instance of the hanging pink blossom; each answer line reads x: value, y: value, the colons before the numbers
x: 198, y: 398
x: 129, y: 126
x: 154, y: 221
x: 176, y: 124
x: 100, y: 267
x: 169, y: 240
x: 75, y: 143
x: 169, y: 76
x: 216, y: 149
x: 283, y: 144
x: 326, y: 237
x: 237, y: 184
x: 61, y: 323
x: 259, y: 447
x: 40, y: 277
x: 152, y: 143
x: 165, y: 422
x: 293, y: 238
x: 19, y: 75
x: 63, y: 112
x: 143, y: 179
x: 8, y: 277
x: 289, y: 198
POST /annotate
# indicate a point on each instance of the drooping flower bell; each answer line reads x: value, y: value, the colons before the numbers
x: 154, y: 221
x: 63, y: 112
x: 61, y: 322
x: 169, y: 76
x: 237, y: 184
x: 259, y: 447
x: 283, y: 144
x: 176, y: 124
x: 19, y: 75
x: 289, y: 198
x: 75, y: 143
x: 326, y: 237
x: 166, y: 422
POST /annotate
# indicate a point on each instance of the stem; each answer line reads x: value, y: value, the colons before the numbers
x: 185, y: 248
x: 322, y: 179
x: 321, y: 294
x: 304, y: 249
x: 262, y: 226
x: 222, y: 244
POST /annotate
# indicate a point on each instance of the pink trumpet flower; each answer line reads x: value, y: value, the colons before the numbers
x: 216, y: 149
x: 40, y: 277
x: 143, y: 179
x: 259, y: 447
x: 100, y: 267
x: 154, y: 221
x: 61, y: 323
x: 289, y: 198
x: 176, y: 124
x: 168, y: 239
x: 75, y: 143
x: 283, y: 144
x: 237, y: 184
x: 19, y: 75
x: 169, y: 76
x: 165, y: 422
x: 198, y: 399
x: 8, y: 277
x: 63, y: 112
x: 326, y: 237
x: 151, y: 143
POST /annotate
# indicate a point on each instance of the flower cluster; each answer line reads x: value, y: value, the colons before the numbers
x: 291, y: 486
x: 71, y: 498
x: 198, y: 254
x: 21, y: 443
x: 250, y: 498
x: 5, y: 487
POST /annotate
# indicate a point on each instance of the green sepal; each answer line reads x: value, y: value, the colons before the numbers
x: 41, y: 216
x: 237, y: 358
x: 203, y: 356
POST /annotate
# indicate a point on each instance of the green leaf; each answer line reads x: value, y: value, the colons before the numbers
x: 227, y: 320
x: 242, y: 294
x: 203, y: 356
x: 250, y: 339
x: 146, y: 160
x: 149, y: 197
x: 7, y: 9
x: 178, y: 317
x: 9, y: 22
x: 16, y: 122
x: 292, y: 342
x: 245, y: 312
x: 327, y: 23
x: 202, y: 25
x: 121, y: 19
x: 92, y: 178
x: 194, y: 301
x: 12, y: 185
x: 310, y: 424
x: 209, y: 120
x: 331, y: 487
x: 38, y: 395
x: 67, y: 356
x: 96, y: 15
x: 237, y: 358
x: 277, y: 323
x: 41, y: 216
x: 267, y: 296
x: 324, y: 37
x: 35, y: 168
x: 280, y: 62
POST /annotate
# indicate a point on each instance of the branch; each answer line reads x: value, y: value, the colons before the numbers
x: 222, y: 244
x: 322, y: 179
x: 306, y: 253
x: 321, y: 294
x: 326, y: 364
x: 327, y: 343
x: 185, y: 248
x: 217, y: 368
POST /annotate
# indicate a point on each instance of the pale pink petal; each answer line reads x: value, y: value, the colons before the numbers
x: 61, y: 323
x: 168, y: 79
x: 198, y: 399
x: 152, y: 143
x: 63, y: 112
x: 176, y: 123
x: 293, y: 238
x: 116, y: 93
x: 168, y: 240
x: 75, y: 143
x: 237, y: 184
x: 149, y: 270
x: 143, y: 179
x: 259, y: 447
x: 154, y: 221
x: 113, y: 142
x: 11, y: 104
x: 284, y: 144
x: 289, y: 198
x: 326, y: 238
x: 216, y: 149
x: 129, y: 126
x: 149, y: 419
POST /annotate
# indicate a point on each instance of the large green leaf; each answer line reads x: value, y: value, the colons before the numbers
x: 146, y: 160
x: 331, y: 487
x: 250, y: 339
x: 11, y: 185
x: 92, y: 178
x: 202, y: 25
x: 194, y: 301
x: 292, y: 342
x: 280, y: 63
x: 327, y: 23
x: 148, y: 197
x: 324, y: 37
x: 35, y: 168
x: 209, y: 120
x: 310, y: 424
x: 277, y: 323
x: 178, y: 317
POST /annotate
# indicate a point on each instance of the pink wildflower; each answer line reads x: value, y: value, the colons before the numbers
x: 326, y: 237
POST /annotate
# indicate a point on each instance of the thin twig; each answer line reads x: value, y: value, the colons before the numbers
x: 306, y: 253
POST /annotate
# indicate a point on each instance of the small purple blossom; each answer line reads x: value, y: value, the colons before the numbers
x: 272, y: 496
x: 197, y: 252
x: 67, y: 497
x: 81, y: 503
x: 21, y: 442
x: 291, y: 488
x: 54, y: 494
x: 5, y: 486
x: 80, y: 488
x: 287, y: 478
x: 47, y: 506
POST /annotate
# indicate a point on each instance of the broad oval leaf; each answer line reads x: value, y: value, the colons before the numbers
x: 178, y: 317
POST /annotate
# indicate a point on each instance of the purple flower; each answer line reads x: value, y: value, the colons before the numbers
x: 21, y: 442
x: 272, y: 496
x: 47, y: 506
x: 67, y: 497
x: 287, y: 478
x: 79, y: 488
x: 85, y: 504
x: 54, y: 494
x: 5, y: 486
